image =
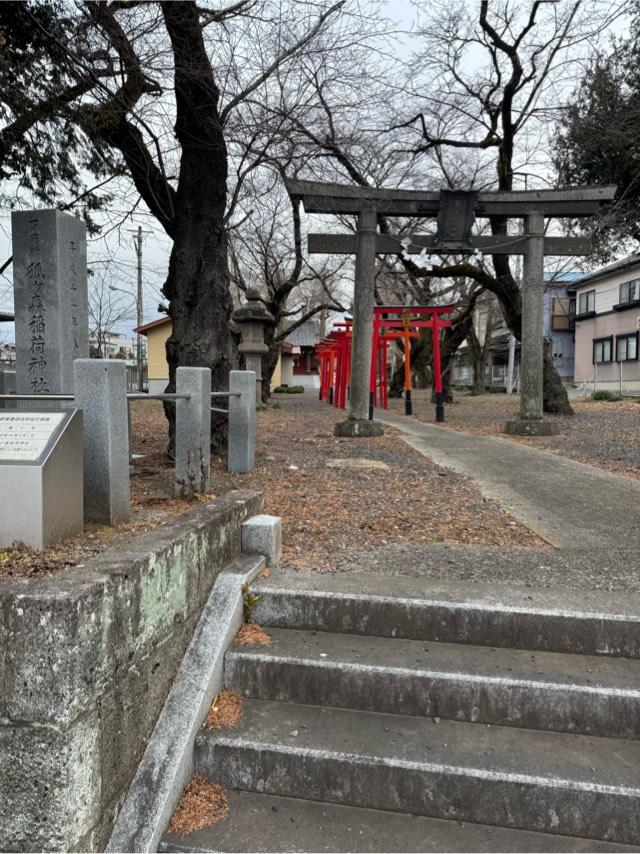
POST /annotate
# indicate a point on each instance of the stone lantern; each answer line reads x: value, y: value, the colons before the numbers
x: 251, y: 319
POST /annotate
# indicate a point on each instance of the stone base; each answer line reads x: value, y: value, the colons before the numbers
x: 359, y: 427
x: 531, y: 427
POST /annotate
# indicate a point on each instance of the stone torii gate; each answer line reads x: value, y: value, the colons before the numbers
x: 455, y: 211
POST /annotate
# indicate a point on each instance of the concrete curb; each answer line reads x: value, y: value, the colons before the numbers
x: 167, y: 764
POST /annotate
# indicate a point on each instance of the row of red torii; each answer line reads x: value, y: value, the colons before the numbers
x: 391, y: 323
x: 456, y: 212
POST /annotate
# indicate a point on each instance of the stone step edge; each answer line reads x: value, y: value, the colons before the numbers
x: 616, y: 719
x: 283, y: 607
x: 275, y: 823
x: 242, y: 748
x: 167, y: 764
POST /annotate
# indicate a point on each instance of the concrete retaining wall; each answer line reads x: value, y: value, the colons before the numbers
x: 87, y: 658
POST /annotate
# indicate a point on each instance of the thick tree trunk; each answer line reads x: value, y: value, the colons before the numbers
x: 197, y: 285
x: 200, y: 304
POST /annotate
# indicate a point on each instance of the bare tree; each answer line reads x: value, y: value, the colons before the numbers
x: 157, y: 102
x: 495, y: 81
x: 266, y: 255
x: 107, y: 308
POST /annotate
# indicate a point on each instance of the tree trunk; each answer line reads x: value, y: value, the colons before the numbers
x: 396, y: 386
x: 269, y: 360
x: 479, y: 385
x: 556, y: 399
x: 197, y: 285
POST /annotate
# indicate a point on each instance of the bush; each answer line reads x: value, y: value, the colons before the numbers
x: 497, y: 389
x: 604, y: 394
x: 288, y: 389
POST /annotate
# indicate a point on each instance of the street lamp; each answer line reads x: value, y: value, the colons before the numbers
x: 138, y: 334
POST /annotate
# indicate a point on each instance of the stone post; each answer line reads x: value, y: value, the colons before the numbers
x: 531, y: 421
x: 251, y: 318
x: 50, y: 293
x: 193, y: 431
x: 7, y: 386
x: 358, y: 423
x: 241, y: 447
x: 100, y: 390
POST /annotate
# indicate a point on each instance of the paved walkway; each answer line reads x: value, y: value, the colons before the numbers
x: 570, y: 504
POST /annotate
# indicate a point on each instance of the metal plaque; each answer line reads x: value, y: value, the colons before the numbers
x: 24, y: 436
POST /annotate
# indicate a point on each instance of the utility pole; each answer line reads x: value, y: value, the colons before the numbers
x: 138, y: 238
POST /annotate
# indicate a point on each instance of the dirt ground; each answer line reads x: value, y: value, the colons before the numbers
x: 328, y: 512
x: 337, y: 497
x: 602, y: 433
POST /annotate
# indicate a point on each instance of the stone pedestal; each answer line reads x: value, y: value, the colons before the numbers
x: 358, y: 427
x: 50, y: 293
x: 286, y: 369
x: 531, y: 427
x: 40, y: 477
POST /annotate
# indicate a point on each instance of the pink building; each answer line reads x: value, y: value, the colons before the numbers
x: 607, y: 320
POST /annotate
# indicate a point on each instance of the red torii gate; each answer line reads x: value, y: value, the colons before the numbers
x: 428, y: 317
x: 390, y: 323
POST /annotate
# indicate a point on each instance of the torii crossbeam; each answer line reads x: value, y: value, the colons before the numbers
x: 456, y: 212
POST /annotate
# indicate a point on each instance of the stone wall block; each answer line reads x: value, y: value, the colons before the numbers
x: 87, y: 658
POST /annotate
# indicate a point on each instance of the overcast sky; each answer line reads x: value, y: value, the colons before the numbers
x: 115, y: 250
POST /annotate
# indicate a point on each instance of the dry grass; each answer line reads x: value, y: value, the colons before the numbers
x: 202, y: 804
x: 252, y: 633
x: 225, y: 710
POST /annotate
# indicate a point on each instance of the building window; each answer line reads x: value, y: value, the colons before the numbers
x: 602, y: 350
x: 630, y: 291
x: 627, y: 347
x: 586, y: 302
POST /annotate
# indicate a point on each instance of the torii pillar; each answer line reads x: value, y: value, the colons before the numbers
x: 531, y: 421
x: 357, y: 422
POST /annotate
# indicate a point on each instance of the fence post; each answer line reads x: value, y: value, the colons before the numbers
x: 241, y: 448
x: 7, y: 386
x: 100, y: 391
x: 193, y: 431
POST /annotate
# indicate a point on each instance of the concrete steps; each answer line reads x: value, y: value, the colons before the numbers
x: 538, y: 690
x: 405, y: 715
x: 544, y: 782
x: 588, y: 622
x: 265, y: 823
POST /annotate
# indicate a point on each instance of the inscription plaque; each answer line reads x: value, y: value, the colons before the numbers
x: 24, y: 436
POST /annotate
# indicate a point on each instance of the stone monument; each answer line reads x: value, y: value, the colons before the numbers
x: 41, y: 470
x: 251, y: 319
x: 50, y: 294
